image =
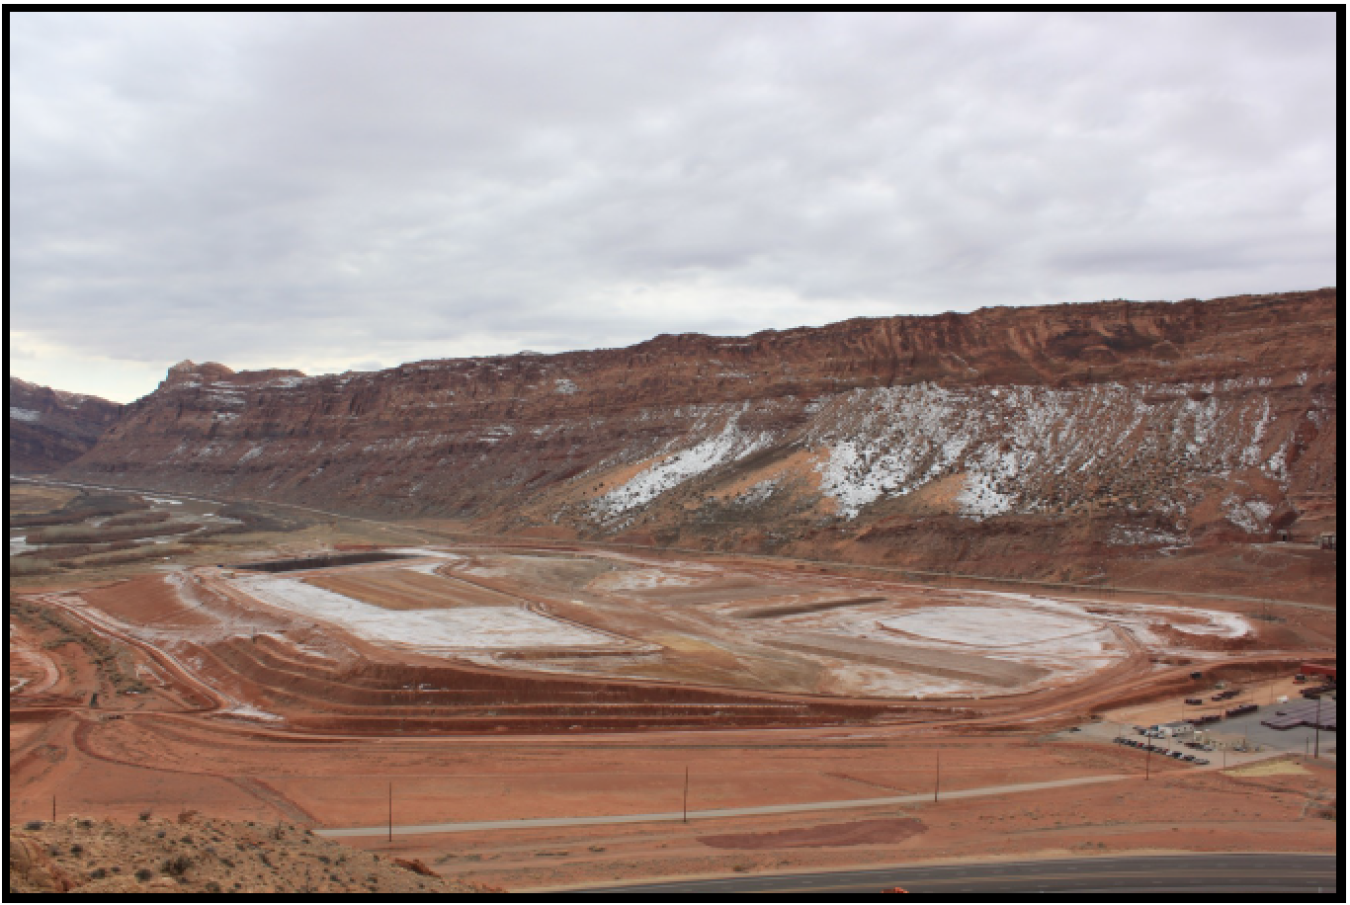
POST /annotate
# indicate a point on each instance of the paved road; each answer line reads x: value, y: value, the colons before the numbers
x: 1253, y: 873
x: 537, y: 822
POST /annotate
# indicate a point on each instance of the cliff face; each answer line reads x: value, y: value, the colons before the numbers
x: 50, y: 428
x: 1116, y: 424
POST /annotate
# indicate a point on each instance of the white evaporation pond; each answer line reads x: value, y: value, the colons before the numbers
x: 641, y: 579
x: 987, y: 626
x: 476, y: 628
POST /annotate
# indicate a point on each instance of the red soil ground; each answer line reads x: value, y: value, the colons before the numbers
x: 355, y: 726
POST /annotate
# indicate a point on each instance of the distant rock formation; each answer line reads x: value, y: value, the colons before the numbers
x: 50, y: 428
x: 1024, y: 435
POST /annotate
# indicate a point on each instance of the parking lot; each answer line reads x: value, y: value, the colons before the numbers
x: 1227, y: 736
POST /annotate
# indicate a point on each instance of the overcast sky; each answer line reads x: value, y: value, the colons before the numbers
x: 356, y: 190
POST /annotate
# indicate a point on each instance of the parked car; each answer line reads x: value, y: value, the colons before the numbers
x: 1195, y: 700
x: 1201, y: 761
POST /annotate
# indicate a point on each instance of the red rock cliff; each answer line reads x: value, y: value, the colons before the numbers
x: 1161, y: 424
x: 49, y: 428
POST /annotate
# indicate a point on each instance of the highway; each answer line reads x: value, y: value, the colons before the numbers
x: 1249, y: 873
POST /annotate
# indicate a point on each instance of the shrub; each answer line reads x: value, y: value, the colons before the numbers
x: 176, y: 866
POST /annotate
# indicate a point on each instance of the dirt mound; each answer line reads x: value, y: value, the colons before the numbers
x: 859, y: 832
x: 199, y: 855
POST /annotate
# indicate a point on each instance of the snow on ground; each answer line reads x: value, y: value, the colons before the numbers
x: 1123, y: 536
x: 860, y: 679
x: 640, y: 579
x: 1224, y: 625
x: 291, y: 642
x: 1137, y: 616
x: 19, y: 543
x: 425, y: 551
x: 480, y: 628
x: 987, y: 626
x: 426, y: 568
x: 1252, y: 516
x: 19, y: 414
x: 249, y: 712
x: 155, y: 499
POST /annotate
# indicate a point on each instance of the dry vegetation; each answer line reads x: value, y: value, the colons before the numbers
x: 114, y: 664
x: 192, y: 854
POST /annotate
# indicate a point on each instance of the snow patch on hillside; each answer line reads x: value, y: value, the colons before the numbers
x: 728, y: 446
x: 1252, y: 516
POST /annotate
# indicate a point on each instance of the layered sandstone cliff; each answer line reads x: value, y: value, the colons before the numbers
x: 1157, y: 426
x: 49, y: 428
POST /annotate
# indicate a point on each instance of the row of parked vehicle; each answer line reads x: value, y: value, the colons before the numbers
x: 1159, y: 749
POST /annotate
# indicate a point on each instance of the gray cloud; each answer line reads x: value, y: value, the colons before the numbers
x: 321, y: 190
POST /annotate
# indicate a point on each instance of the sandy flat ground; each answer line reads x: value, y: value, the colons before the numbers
x: 121, y: 767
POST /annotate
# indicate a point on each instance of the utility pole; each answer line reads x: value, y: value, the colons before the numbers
x: 937, y: 775
x: 391, y: 812
x: 1317, y: 730
x: 53, y: 809
x: 686, y: 793
x: 1148, y: 761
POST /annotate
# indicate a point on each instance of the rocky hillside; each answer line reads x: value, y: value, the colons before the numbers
x: 49, y: 428
x: 1082, y: 429
x: 193, y: 854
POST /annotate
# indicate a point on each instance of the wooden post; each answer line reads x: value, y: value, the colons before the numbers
x: 686, y: 793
